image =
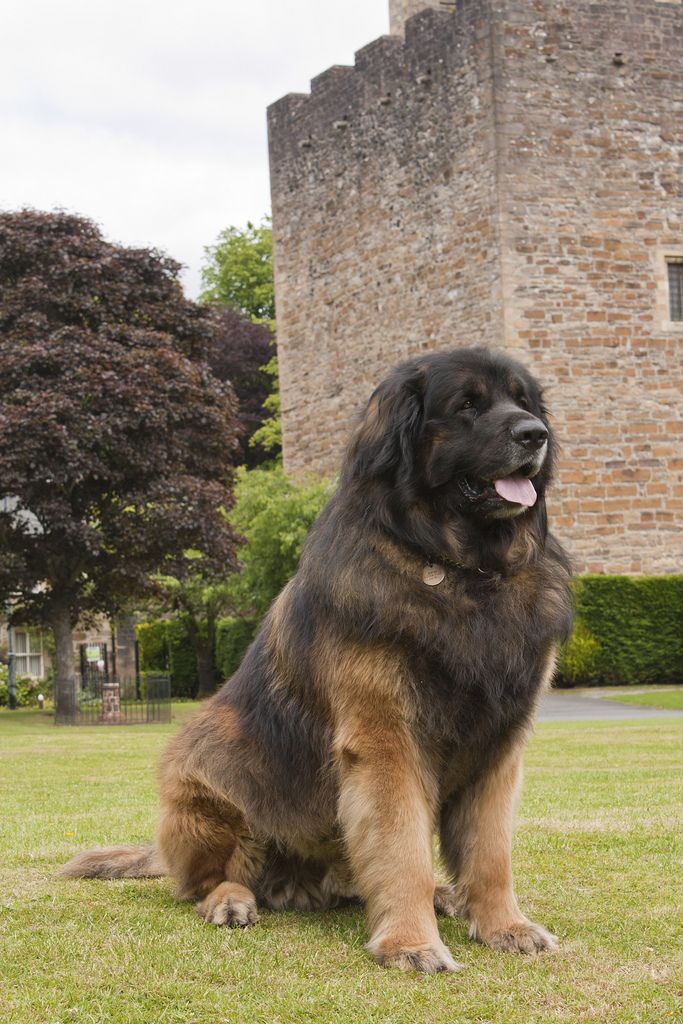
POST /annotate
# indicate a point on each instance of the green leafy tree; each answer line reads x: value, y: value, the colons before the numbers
x: 268, y: 437
x: 274, y: 514
x: 239, y: 272
x: 116, y: 441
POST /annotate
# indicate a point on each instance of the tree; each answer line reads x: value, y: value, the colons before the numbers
x: 274, y: 515
x: 239, y: 272
x: 116, y: 440
x: 238, y: 276
x: 239, y: 353
x: 198, y: 600
x: 268, y: 436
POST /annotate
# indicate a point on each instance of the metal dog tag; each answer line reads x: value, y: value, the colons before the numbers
x: 432, y: 575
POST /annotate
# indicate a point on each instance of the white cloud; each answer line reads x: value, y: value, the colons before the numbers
x: 149, y: 116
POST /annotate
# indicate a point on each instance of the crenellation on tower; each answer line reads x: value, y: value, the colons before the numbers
x: 392, y: 79
x: 401, y: 10
x: 381, y: 57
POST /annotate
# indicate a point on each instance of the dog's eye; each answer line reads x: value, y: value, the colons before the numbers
x: 523, y: 402
x: 467, y: 404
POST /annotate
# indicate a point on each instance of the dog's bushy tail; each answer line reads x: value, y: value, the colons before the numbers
x: 116, y: 862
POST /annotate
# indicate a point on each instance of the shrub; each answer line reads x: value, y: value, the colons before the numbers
x: 628, y: 629
x: 182, y: 660
x: 164, y: 646
x: 233, y: 636
x: 152, y: 646
x: 274, y: 514
x: 27, y: 690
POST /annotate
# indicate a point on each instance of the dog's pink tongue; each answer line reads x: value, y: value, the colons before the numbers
x: 518, y: 489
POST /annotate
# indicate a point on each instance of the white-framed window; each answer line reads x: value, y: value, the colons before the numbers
x: 28, y: 653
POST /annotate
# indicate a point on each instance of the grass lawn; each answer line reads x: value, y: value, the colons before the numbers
x: 670, y: 698
x: 596, y: 861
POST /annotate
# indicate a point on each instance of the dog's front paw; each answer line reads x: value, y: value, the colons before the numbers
x: 429, y: 958
x: 519, y: 937
x: 229, y: 905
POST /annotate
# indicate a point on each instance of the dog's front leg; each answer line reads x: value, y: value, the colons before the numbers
x: 476, y: 846
x: 386, y: 812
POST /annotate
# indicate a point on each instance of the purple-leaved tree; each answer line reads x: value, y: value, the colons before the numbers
x: 117, y: 442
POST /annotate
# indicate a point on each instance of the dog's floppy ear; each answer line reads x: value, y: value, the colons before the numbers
x: 386, y: 441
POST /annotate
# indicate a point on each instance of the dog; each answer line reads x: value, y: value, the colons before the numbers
x: 390, y: 690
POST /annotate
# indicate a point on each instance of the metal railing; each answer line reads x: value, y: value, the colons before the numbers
x: 110, y: 701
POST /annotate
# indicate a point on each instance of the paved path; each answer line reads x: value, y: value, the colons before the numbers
x: 566, y: 706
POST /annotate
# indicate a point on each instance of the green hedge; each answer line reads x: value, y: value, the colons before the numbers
x: 164, y: 646
x: 233, y: 636
x: 182, y: 661
x: 152, y: 646
x: 628, y: 629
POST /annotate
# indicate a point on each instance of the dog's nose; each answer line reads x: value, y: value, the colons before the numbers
x: 530, y: 433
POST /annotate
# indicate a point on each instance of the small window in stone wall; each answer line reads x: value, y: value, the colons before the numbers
x: 675, y: 274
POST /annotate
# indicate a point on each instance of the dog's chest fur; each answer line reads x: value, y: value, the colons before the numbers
x: 476, y: 674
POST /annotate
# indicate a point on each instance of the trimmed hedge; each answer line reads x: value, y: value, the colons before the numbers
x: 164, y: 646
x: 152, y: 646
x: 182, y: 661
x: 628, y: 629
x: 233, y: 636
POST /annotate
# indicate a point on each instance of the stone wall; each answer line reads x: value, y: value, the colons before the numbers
x: 385, y: 221
x: 590, y: 149
x: 510, y: 174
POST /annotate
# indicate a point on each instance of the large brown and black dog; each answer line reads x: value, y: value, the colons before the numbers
x: 390, y: 690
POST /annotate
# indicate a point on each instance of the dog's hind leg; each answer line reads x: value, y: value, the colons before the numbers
x: 294, y: 882
x: 212, y: 855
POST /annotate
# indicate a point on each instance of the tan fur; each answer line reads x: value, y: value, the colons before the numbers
x: 483, y: 825
x: 480, y: 828
x: 229, y: 904
x: 117, y: 862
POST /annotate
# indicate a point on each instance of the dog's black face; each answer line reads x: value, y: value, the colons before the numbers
x: 485, y: 437
x: 460, y: 435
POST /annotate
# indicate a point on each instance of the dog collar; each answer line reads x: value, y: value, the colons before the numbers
x: 433, y: 573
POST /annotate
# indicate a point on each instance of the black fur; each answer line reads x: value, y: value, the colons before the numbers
x: 476, y: 645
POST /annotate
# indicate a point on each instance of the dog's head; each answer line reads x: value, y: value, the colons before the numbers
x: 462, y: 433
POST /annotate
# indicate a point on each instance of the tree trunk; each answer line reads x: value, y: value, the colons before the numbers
x: 205, y: 671
x: 204, y: 652
x: 66, y: 703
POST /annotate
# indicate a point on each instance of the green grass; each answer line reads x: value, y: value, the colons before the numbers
x: 596, y: 861
x: 670, y: 699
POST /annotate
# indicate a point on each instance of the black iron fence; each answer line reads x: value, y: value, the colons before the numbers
x: 96, y: 698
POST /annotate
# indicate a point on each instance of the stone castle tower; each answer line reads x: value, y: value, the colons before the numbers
x: 506, y: 173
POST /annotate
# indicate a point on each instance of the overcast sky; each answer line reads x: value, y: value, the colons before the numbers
x: 149, y: 116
